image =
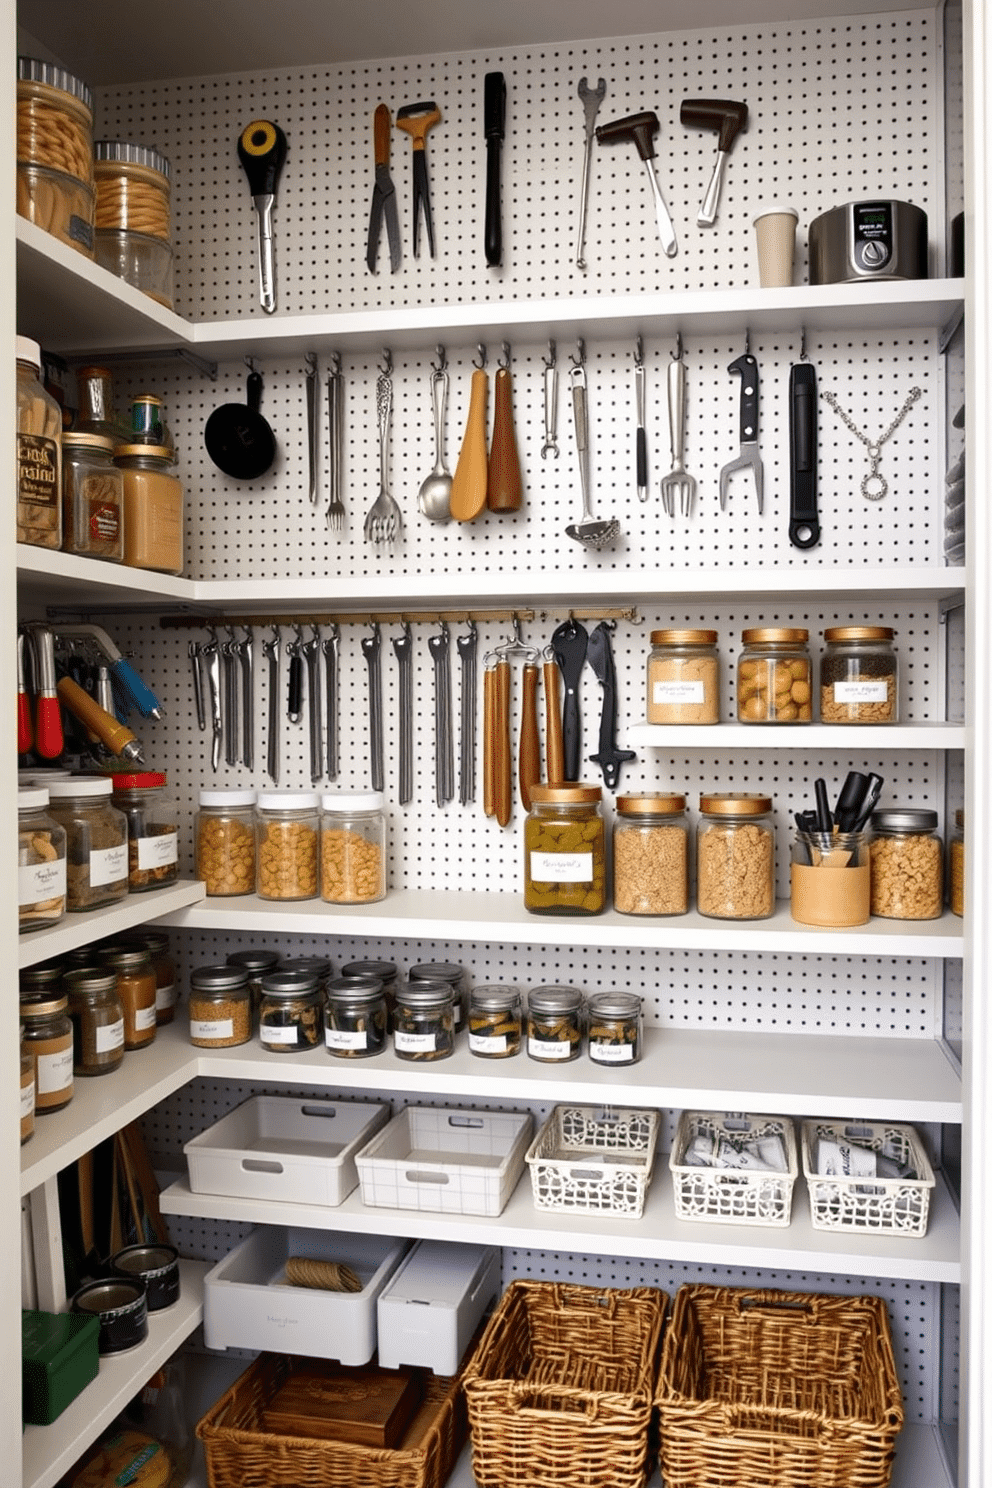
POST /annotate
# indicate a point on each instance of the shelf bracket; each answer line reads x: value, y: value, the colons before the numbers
x: 162, y: 354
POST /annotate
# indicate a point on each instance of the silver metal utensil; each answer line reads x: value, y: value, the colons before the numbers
x: 403, y: 648
x: 678, y: 484
x: 313, y: 438
x: 330, y: 645
x: 592, y: 531
x: 371, y: 646
x: 434, y: 496
x: 335, y: 512
x: 384, y: 521
x: 270, y: 650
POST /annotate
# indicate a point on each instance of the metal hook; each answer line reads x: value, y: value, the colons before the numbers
x: 386, y: 365
x: 442, y: 361
x: 638, y: 351
x: 504, y: 360
x: 551, y: 360
x: 310, y: 357
x: 335, y: 363
x: 747, y: 342
x: 802, y: 344
x: 250, y: 363
x: 482, y: 357
x: 580, y: 360
x: 676, y: 355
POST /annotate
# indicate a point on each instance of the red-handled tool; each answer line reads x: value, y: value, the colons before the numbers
x: 48, y: 738
x: 25, y: 733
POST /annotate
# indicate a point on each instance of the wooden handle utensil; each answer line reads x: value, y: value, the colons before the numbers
x: 470, y: 480
x: 505, y: 491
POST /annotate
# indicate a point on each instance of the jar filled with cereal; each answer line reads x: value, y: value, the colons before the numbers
x: 651, y: 855
x: 565, y: 851
x: 40, y: 862
x: 225, y: 842
x: 907, y: 865
x: 287, y: 828
x: 683, y: 677
x: 859, y: 675
x: 735, y: 856
x: 219, y: 1007
x: 353, y: 847
x: 774, y: 676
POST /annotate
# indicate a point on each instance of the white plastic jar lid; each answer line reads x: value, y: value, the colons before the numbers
x: 31, y: 799
x: 80, y: 786
x: 344, y: 802
x: 287, y: 800
x: 228, y: 797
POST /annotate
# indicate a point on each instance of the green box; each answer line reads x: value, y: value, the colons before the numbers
x: 60, y: 1355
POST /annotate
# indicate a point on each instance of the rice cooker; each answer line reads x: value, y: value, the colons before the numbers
x: 868, y: 240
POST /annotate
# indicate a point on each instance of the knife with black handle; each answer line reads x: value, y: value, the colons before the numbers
x: 804, y: 520
x: 495, y: 122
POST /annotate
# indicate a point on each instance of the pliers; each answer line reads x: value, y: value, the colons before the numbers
x: 415, y: 119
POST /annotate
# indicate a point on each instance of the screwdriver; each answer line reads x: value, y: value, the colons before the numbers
x: 641, y: 129
x: 262, y: 151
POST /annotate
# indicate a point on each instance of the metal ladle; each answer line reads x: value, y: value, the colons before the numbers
x: 434, y: 496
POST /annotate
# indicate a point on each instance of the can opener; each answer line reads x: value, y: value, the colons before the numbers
x: 599, y: 655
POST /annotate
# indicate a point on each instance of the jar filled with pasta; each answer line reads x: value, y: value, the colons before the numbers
x: 133, y: 216
x: 287, y: 828
x: 224, y: 833
x: 55, y: 152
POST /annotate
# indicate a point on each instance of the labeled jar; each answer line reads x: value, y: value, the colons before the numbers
x: 39, y: 453
x: 92, y: 498
x: 97, y: 414
x: 615, y: 1027
x: 133, y: 216
x: 219, y: 1007
x: 651, y: 855
x: 554, y: 1024
x: 97, y: 1020
x: 956, y: 871
x: 153, y: 508
x: 152, y: 829
x: 96, y: 841
x: 565, y: 851
x: 735, y: 853
x: 907, y: 865
x: 290, y: 1017
x: 424, y: 1020
x: 683, y: 677
x: 456, y: 977
x: 775, y: 676
x: 156, y: 943
x: 287, y: 828
x: 136, y: 989
x: 27, y: 1091
x: 225, y: 842
x: 859, y: 675
x: 48, y: 1039
x: 495, y: 1021
x: 353, y: 847
x: 830, y: 879
x: 45, y: 978
x: 41, y: 871
x: 355, y: 1018
x: 55, y: 152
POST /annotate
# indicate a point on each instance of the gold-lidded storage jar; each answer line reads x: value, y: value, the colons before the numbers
x: 153, y: 508
x: 775, y: 676
x: 683, y: 681
x: 48, y: 1039
x: 565, y: 851
x: 651, y: 854
x: 735, y: 856
x: 55, y: 152
x: 859, y: 675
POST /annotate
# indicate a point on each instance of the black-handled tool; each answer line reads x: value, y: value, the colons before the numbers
x: 640, y: 129
x: 746, y: 368
x: 728, y: 117
x: 494, y: 116
x: 850, y: 801
x: 608, y: 757
x: 568, y: 646
x: 262, y: 152
x: 875, y: 783
x: 415, y: 119
x: 824, y: 816
x: 804, y: 519
x: 294, y: 711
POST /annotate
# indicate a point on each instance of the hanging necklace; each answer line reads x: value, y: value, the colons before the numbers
x: 873, y: 485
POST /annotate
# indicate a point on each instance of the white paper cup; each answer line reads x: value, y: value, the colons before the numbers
x: 775, y: 226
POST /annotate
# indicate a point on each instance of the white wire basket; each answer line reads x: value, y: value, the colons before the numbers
x: 733, y: 1195
x: 594, y: 1160
x: 893, y: 1206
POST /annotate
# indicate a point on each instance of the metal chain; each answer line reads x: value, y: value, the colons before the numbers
x: 870, y: 491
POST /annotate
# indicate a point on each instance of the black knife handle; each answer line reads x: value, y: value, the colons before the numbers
x: 804, y: 519
x: 609, y: 758
x: 295, y: 689
x: 746, y: 368
x: 495, y: 120
x: 642, y: 457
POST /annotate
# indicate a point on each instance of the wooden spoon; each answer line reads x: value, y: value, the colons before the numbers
x: 505, y: 484
x: 468, y: 485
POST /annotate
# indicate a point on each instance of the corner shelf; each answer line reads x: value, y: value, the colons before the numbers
x: 82, y: 928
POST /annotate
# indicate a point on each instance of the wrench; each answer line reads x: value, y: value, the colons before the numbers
x: 467, y: 647
x: 311, y: 653
x: 370, y: 650
x: 591, y: 99
x: 746, y: 368
x: 403, y: 647
x: 330, y: 646
x: 271, y: 650
x: 444, y: 761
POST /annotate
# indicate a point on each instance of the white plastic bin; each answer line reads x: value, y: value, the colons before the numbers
x: 452, y: 1162
x: 432, y: 1305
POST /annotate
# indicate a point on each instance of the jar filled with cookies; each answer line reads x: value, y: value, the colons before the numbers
x: 133, y: 216
x: 40, y: 862
x: 225, y: 842
x: 55, y: 152
x: 92, y: 498
x: 39, y: 452
x: 775, y: 676
x: 287, y: 831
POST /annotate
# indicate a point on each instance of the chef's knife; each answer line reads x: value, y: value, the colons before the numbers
x: 495, y: 123
x: 262, y: 151
x: 804, y: 520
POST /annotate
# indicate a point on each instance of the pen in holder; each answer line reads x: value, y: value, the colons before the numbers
x: 831, y: 879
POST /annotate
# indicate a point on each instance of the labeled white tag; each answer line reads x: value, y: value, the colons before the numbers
x: 158, y: 851
x: 54, y: 1072
x: 861, y: 692
x: 561, y: 867
x: 110, y: 1037
x: 415, y: 1043
x: 108, y: 865
x: 546, y: 1049
x: 610, y: 1053
x: 278, y: 1035
x: 39, y: 882
x: 144, y: 1018
x: 212, y: 1030
x: 679, y: 693
x: 487, y: 1043
x: 343, y: 1038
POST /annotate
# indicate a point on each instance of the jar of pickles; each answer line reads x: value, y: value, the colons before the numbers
x: 97, y: 1020
x: 774, y: 676
x: 735, y: 856
x: 615, y: 1027
x: 287, y: 827
x: 48, y: 1039
x: 424, y: 1021
x: 136, y: 988
x: 554, y: 1024
x: 859, y: 677
x: 290, y: 1017
x: 355, y: 1017
x: 225, y: 842
x: 40, y: 862
x: 495, y: 1022
x: 651, y: 855
x: 565, y: 851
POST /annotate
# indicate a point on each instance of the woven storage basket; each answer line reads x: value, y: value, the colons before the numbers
x: 732, y: 1195
x: 781, y: 1389
x: 240, y: 1454
x: 893, y: 1206
x: 560, y: 1390
x: 594, y: 1160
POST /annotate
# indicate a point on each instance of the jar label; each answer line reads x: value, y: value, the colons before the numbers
x: 487, y: 1043
x: 158, y: 851
x: 415, y: 1043
x: 55, y: 1072
x: 110, y: 1037
x: 37, y: 470
x: 341, y: 1038
x: 104, y: 522
x: 38, y: 882
x: 861, y: 692
x: 210, y: 1030
x: 108, y: 865
x: 607, y: 1053
x: 561, y: 867
x: 547, y: 1049
x: 165, y: 997
x: 27, y: 1100
x: 677, y: 693
x: 144, y: 1018
x: 273, y: 1034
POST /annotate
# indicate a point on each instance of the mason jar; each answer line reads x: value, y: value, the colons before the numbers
x: 27, y: 1091
x: 457, y: 978
x: 735, y: 856
x: 41, y: 868
x: 48, y: 1039
x: 859, y: 675
x: 615, y: 1026
x: 775, y: 676
x: 355, y: 1017
x: 92, y: 498
x: 152, y: 829
x: 554, y: 1024
x: 907, y: 865
x: 495, y: 1021
x: 683, y: 677
x: 257, y: 963
x: 156, y: 943
x: 136, y: 988
x: 386, y: 972
x: 287, y: 826
x: 153, y: 508
x: 96, y: 841
x: 424, y: 1021
x: 565, y: 851
x: 224, y: 832
x: 290, y: 1018
x: 651, y: 855
x: 97, y: 1020
x: 219, y: 1007
x: 353, y: 847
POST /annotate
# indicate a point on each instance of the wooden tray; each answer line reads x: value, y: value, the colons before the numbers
x: 369, y: 1405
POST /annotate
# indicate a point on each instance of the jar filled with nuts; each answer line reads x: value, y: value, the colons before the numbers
x: 859, y: 676
x: 290, y: 1018
x: 683, y: 677
x: 615, y: 1027
x: 219, y: 1007
x: 152, y: 829
x: 41, y: 876
x: 495, y: 1021
x: 97, y: 1020
x: 136, y: 989
x: 55, y: 152
x: 287, y: 826
x: 92, y: 498
x: 735, y: 856
x: 651, y: 855
x: 554, y: 1024
x: 225, y: 842
x: 355, y: 1017
x: 956, y: 873
x: 353, y: 847
x: 774, y: 676
x: 907, y: 865
x: 48, y: 1039
x: 424, y: 1021
x: 96, y: 841
x: 39, y: 453
x: 565, y: 851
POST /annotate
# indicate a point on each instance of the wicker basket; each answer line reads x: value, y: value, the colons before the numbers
x: 560, y: 1390
x: 889, y: 1206
x: 785, y: 1389
x: 241, y: 1454
x: 594, y: 1160
x: 732, y: 1195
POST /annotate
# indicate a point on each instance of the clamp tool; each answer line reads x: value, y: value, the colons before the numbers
x: 383, y: 196
x: 746, y: 368
x: 415, y: 119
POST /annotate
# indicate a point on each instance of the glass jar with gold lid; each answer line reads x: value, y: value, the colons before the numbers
x: 683, y: 677
x: 774, y: 676
x: 651, y: 855
x: 565, y: 851
x: 735, y: 856
x: 859, y: 675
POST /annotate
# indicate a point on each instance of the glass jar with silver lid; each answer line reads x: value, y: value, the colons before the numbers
x: 495, y: 1022
x: 615, y: 1027
x: 446, y: 971
x: 424, y: 1020
x: 355, y: 1017
x: 290, y: 1018
x: 554, y: 1024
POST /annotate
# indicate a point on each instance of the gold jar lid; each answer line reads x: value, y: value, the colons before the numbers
x: 651, y: 803
x: 770, y: 633
x: 735, y: 803
x: 73, y: 441
x: 683, y: 638
x: 151, y: 451
x: 859, y: 633
x: 566, y: 795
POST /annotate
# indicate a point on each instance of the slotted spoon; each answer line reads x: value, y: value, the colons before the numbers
x: 594, y: 532
x: 384, y: 521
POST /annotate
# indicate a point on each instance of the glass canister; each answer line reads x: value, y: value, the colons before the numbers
x: 651, y: 855
x: 97, y: 1020
x: 219, y: 1007
x: 39, y: 452
x: 859, y: 675
x: 96, y: 841
x: 320, y: 967
x: 735, y: 856
x: 133, y: 216
x: 55, y: 152
x: 446, y: 971
x: 683, y: 677
x: 554, y: 1024
x: 355, y: 1017
x: 386, y: 972
x: 153, y: 508
x: 907, y: 865
x: 27, y: 1091
x: 424, y: 1020
x: 136, y: 989
x: 775, y: 676
x: 956, y: 855
x: 225, y: 842
x: 565, y: 851
x: 152, y: 829
x: 92, y: 498
x: 41, y: 873
x: 156, y: 943
x: 287, y: 827
x: 495, y: 1021
x: 353, y: 847
x: 48, y: 1039
x: 45, y: 978
x: 97, y: 414
x: 290, y: 1018
x: 615, y: 1027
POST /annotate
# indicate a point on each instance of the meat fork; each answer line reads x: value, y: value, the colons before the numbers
x: 678, y: 482
x: 384, y: 521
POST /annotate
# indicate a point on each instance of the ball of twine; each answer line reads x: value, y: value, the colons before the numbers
x: 327, y: 1276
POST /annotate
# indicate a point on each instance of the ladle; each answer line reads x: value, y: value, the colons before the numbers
x: 434, y: 497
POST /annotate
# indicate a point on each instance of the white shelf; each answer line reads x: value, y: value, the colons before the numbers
x: 49, y: 1451
x: 814, y: 737
x: 96, y: 924
x: 421, y: 914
